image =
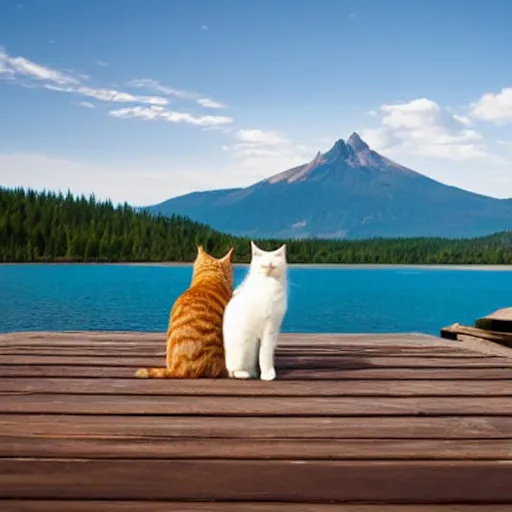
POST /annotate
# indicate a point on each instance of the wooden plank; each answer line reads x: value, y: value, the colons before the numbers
x: 326, y: 362
x: 291, y: 339
x: 254, y: 406
x: 483, y: 346
x: 292, y: 481
x: 468, y: 427
x: 109, y: 437
x: 83, y: 335
x: 229, y: 387
x: 368, y: 345
x: 503, y: 338
x: 406, y: 337
x: 145, y: 447
x: 159, y: 351
x: 227, y: 506
x: 500, y: 320
x: 361, y: 344
x: 38, y: 371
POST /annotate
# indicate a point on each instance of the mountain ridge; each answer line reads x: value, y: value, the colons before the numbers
x: 350, y: 191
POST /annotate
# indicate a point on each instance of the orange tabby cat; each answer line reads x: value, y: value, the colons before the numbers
x: 194, y: 336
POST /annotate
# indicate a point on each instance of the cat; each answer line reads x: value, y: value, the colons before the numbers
x: 194, y: 337
x: 253, y: 316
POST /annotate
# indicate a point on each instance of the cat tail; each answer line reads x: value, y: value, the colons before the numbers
x: 154, y: 373
x: 193, y: 371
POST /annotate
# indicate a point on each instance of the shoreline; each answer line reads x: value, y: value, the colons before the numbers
x: 356, y: 266
x: 333, y: 266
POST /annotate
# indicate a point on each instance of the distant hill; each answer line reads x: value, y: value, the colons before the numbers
x: 349, y: 192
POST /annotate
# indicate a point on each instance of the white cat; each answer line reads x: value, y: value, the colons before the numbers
x: 253, y: 316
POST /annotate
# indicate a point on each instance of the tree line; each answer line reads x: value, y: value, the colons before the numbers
x: 54, y: 227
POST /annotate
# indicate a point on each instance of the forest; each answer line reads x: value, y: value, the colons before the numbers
x: 55, y: 227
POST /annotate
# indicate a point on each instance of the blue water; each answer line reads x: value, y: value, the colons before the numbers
x: 117, y: 297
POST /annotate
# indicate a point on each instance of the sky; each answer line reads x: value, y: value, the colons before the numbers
x: 143, y: 100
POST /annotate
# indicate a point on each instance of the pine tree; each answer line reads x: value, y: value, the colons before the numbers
x: 52, y: 227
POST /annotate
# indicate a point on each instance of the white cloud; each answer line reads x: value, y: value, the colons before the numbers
x: 102, y: 64
x: 261, y: 137
x: 465, y: 120
x: 204, y: 27
x: 422, y: 127
x: 259, y: 154
x: 208, y: 103
x: 11, y: 67
x: 155, y: 85
x: 16, y: 68
x: 495, y: 107
x: 137, y: 182
x: 19, y: 68
x: 161, y: 114
x: 85, y: 104
x: 40, y: 172
x: 109, y: 95
x: 113, y: 96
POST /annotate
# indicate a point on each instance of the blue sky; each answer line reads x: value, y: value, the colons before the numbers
x: 144, y: 100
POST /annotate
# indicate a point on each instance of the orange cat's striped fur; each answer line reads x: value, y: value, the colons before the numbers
x: 194, y: 336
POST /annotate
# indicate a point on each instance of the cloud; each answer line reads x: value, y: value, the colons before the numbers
x: 102, y: 64
x: 113, y: 96
x: 494, y: 107
x: 208, y: 103
x: 16, y: 68
x: 155, y: 85
x: 204, y: 27
x: 156, y: 113
x: 258, y: 154
x: 261, y: 137
x: 84, y: 104
x: 11, y: 67
x: 109, y: 95
x: 422, y: 127
x: 138, y: 183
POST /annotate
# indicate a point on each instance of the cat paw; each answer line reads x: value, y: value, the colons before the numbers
x: 241, y: 374
x: 268, y: 375
x: 142, y: 373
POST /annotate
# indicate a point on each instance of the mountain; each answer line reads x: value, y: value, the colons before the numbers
x: 351, y: 192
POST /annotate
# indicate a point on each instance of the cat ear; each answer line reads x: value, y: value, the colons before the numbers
x: 201, y: 253
x: 256, y: 251
x: 228, y: 256
x: 281, y: 251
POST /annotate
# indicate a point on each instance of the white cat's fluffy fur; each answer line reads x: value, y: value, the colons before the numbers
x: 253, y: 316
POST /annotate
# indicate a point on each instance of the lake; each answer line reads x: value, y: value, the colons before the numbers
x: 139, y: 297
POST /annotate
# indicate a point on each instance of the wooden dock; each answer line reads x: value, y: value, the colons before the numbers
x: 354, y: 423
